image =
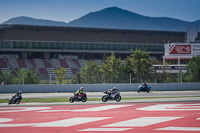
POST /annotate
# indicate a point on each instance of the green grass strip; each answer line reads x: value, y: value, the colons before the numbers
x: 62, y: 99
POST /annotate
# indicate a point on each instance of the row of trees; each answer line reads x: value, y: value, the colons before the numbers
x: 135, y: 68
x: 112, y: 70
x: 25, y: 76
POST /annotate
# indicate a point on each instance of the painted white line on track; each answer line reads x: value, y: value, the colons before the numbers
x: 53, y: 110
x: 106, y: 129
x: 70, y: 122
x: 20, y: 109
x: 102, y: 108
x: 60, y: 123
x: 2, y: 120
x: 16, y: 125
x: 171, y: 107
x: 180, y: 128
x: 141, y: 122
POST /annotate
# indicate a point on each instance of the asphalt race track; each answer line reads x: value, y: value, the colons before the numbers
x: 161, y: 115
x: 100, y: 94
x: 167, y: 117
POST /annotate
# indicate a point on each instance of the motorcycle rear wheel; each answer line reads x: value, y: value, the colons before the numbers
x: 71, y: 99
x: 84, y: 99
x: 148, y: 90
x: 18, y: 101
x: 9, y: 102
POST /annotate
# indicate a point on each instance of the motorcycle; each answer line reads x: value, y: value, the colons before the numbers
x: 81, y: 97
x: 15, y: 100
x: 111, y: 94
x: 141, y: 88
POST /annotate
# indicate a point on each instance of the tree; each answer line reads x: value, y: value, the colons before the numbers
x: 111, y: 68
x: 91, y: 74
x: 140, y: 63
x: 193, y: 69
x: 5, y: 77
x: 28, y: 76
x: 61, y: 75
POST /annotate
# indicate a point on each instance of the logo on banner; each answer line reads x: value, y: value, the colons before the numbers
x: 179, y: 49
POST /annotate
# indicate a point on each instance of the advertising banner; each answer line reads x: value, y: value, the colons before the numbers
x: 178, y: 49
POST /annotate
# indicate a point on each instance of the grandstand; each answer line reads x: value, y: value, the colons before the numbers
x: 45, y: 48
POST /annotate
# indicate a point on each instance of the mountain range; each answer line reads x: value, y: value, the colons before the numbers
x: 114, y: 18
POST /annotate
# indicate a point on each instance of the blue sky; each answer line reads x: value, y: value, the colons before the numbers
x: 68, y: 10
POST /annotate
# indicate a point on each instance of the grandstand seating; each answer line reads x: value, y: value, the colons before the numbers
x: 82, y: 62
x: 44, y: 72
x: 13, y: 63
x: 44, y: 67
x: 63, y: 63
x: 55, y: 63
x: 69, y: 73
x: 74, y: 71
x: 98, y: 61
x: 7, y: 70
x: 21, y: 63
x: 47, y: 63
x: 51, y: 73
x: 76, y: 62
x: 39, y: 63
x: 3, y: 64
x: 32, y: 63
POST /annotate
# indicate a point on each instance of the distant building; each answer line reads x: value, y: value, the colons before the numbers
x: 45, y: 48
x: 177, y: 55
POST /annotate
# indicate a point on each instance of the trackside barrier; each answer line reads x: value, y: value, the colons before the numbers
x: 96, y: 87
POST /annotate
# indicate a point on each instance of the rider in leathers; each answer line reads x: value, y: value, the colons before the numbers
x: 19, y: 95
x: 79, y: 91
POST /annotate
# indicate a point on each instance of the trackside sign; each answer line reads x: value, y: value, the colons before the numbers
x: 182, y: 49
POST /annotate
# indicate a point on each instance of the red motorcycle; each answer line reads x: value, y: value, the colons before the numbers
x: 81, y: 97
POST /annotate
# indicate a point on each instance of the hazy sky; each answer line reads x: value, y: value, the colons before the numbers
x: 68, y: 10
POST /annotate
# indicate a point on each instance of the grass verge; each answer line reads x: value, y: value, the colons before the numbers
x: 62, y: 99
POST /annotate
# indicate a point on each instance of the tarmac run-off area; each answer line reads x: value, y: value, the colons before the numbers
x: 156, y: 117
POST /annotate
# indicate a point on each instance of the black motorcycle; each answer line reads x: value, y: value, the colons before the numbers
x: 82, y: 97
x: 15, y: 100
x: 112, y: 94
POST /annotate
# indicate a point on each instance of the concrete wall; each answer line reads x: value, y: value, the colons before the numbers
x: 96, y: 87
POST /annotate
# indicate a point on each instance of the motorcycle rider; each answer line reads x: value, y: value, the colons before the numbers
x: 145, y: 85
x: 79, y: 91
x: 19, y: 95
x: 113, y: 92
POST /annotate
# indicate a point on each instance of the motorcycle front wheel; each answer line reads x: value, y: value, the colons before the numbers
x: 105, y: 98
x: 118, y: 98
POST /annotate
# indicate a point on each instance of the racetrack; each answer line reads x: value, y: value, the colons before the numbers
x: 168, y: 117
x: 161, y: 115
x: 100, y: 94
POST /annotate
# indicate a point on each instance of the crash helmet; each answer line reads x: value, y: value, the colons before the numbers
x: 20, y: 92
x: 114, y: 88
x: 81, y: 88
